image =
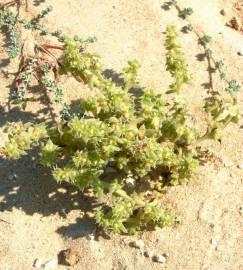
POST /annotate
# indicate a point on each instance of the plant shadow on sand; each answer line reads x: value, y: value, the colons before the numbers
x: 25, y: 184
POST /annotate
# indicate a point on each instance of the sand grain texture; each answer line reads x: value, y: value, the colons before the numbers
x: 45, y: 218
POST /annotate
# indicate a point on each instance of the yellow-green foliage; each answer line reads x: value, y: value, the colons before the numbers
x: 147, y: 143
x: 175, y: 60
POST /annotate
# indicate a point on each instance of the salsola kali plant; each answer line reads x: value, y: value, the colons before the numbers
x: 123, y: 147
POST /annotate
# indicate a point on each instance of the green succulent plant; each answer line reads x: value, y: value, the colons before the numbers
x: 145, y: 141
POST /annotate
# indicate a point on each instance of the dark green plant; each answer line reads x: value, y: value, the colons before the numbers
x: 205, y: 39
x: 8, y: 21
x: 186, y: 12
x: 173, y: 2
x: 188, y: 28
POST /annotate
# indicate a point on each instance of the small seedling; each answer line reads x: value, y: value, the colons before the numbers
x: 188, y: 28
x: 205, y: 39
x: 186, y: 12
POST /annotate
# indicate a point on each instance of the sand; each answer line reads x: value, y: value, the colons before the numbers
x: 40, y: 218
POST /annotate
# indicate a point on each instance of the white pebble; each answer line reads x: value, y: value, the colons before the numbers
x: 159, y: 259
x: 149, y: 253
x: 37, y: 263
x: 240, y: 166
x: 90, y: 237
x: 213, y: 242
x: 51, y: 264
x: 138, y: 244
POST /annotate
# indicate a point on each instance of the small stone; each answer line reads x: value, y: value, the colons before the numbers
x: 211, y: 225
x: 149, y: 253
x: 223, y: 12
x: 166, y: 255
x: 51, y: 264
x: 213, y: 242
x: 235, y: 23
x: 90, y: 237
x: 37, y: 263
x: 240, y: 166
x: 68, y: 257
x: 138, y: 244
x: 241, y: 210
x: 90, y: 214
x: 240, y: 53
x: 159, y: 259
x: 62, y: 190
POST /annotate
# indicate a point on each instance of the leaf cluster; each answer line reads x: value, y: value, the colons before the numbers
x: 175, y: 60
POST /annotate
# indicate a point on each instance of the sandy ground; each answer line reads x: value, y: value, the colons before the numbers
x: 41, y: 218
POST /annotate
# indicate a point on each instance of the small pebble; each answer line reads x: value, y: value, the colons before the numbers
x: 138, y: 244
x: 166, y: 255
x: 91, y: 237
x: 37, y: 263
x: 240, y: 52
x: 223, y: 12
x: 62, y: 190
x: 149, y: 253
x: 240, y: 166
x: 235, y: 23
x: 159, y: 259
x: 90, y: 214
x: 51, y: 265
x: 68, y: 257
x: 211, y: 225
x: 241, y: 210
x: 213, y: 242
